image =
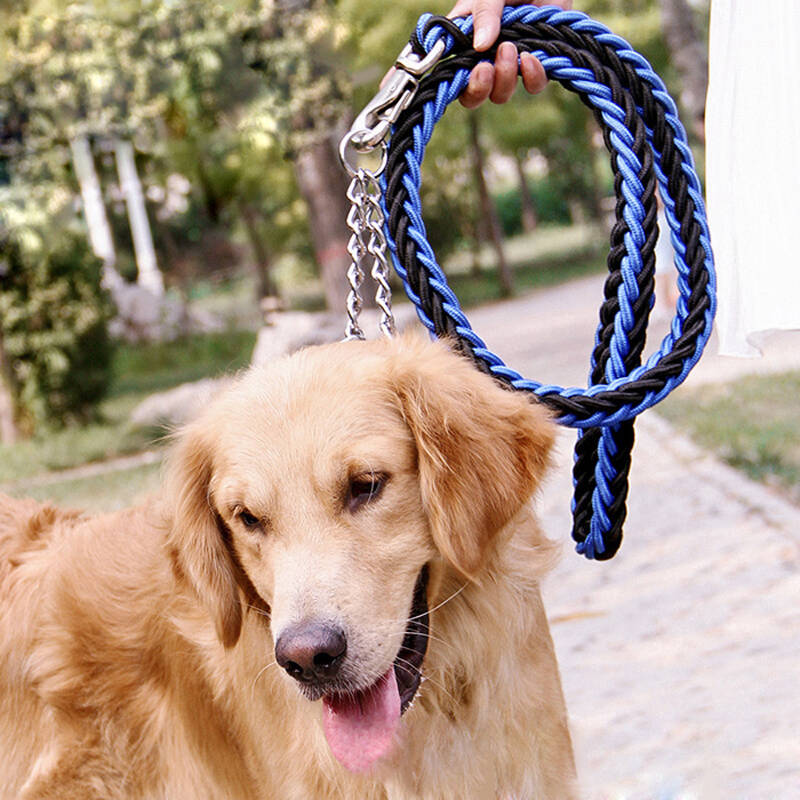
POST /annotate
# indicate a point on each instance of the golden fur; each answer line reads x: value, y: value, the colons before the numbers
x: 136, y: 649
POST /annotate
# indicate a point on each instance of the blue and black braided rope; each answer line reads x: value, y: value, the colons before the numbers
x: 648, y: 147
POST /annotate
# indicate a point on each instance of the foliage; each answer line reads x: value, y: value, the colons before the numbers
x: 137, y: 370
x: 107, y: 436
x: 551, y: 206
x: 297, y: 46
x: 54, y: 314
x: 222, y: 96
x: 174, y: 77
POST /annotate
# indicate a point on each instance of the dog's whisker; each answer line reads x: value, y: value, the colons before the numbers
x: 398, y: 634
x: 258, y: 610
x: 263, y: 670
x: 432, y: 637
x: 426, y: 676
x: 438, y: 639
x: 426, y: 633
x: 408, y: 663
x: 437, y: 607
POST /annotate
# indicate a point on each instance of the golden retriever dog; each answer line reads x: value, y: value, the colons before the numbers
x: 336, y: 595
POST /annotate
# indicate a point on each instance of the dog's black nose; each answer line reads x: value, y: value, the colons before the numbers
x: 311, y: 652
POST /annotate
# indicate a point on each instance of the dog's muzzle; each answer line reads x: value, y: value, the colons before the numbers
x: 313, y: 652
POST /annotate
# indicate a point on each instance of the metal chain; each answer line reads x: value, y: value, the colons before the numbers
x: 356, y: 249
x: 377, y: 248
x: 365, y: 219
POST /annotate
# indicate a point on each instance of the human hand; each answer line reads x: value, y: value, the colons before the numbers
x: 497, y: 81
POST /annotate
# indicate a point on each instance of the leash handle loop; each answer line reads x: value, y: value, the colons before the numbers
x: 648, y: 149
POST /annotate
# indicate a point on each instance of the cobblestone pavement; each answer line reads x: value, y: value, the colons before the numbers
x: 680, y: 657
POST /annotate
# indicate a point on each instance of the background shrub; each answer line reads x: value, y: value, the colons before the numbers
x: 548, y: 199
x: 54, y: 316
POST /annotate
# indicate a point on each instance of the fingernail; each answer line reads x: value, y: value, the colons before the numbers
x: 478, y: 76
x: 482, y: 38
x: 507, y: 50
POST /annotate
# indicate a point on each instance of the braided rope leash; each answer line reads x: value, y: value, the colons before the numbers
x: 648, y: 147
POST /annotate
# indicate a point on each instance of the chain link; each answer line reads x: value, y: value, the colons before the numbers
x: 356, y: 249
x: 377, y: 248
x: 365, y: 219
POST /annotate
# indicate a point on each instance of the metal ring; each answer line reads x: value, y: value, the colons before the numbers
x: 349, y: 141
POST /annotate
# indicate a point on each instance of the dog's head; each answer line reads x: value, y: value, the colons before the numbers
x: 325, y: 486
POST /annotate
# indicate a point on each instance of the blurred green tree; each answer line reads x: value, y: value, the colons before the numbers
x: 689, y: 55
x: 175, y: 78
x: 56, y: 351
x: 170, y: 76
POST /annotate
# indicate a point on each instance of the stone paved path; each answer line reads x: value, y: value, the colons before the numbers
x: 681, y: 656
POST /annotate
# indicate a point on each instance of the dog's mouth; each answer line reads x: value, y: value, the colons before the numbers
x: 408, y: 662
x: 360, y: 726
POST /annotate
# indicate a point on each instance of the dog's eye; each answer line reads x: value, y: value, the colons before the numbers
x: 364, y: 489
x: 247, y: 519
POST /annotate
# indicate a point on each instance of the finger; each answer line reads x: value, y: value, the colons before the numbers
x: 505, y: 73
x: 486, y: 19
x: 534, y: 78
x: 480, y: 85
x: 462, y: 8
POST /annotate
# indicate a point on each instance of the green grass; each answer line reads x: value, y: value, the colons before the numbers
x: 547, y: 257
x: 152, y: 367
x: 107, y: 492
x: 138, y: 371
x: 552, y: 254
x: 233, y: 301
x: 753, y: 424
x: 548, y: 244
x: 484, y: 287
x: 109, y: 436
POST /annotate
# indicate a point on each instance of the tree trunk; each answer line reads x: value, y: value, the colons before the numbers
x: 577, y: 211
x: 94, y: 210
x: 9, y: 432
x: 475, y: 244
x: 488, y: 210
x: 148, y: 274
x: 529, y: 217
x: 689, y: 55
x: 595, y: 146
x: 265, y: 285
x: 322, y: 183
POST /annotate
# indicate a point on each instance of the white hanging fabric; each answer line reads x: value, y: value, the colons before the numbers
x: 753, y: 168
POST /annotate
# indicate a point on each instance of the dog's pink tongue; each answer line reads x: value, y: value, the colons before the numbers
x: 360, y: 728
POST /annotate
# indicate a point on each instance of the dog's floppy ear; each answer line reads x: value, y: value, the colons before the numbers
x: 196, y: 535
x: 482, y: 449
